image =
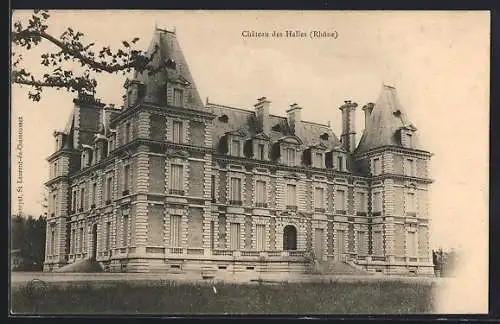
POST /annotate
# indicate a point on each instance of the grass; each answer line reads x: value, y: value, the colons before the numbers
x: 169, y: 297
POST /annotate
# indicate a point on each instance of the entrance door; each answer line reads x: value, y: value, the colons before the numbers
x: 318, y: 243
x: 94, y: 242
x: 289, y: 238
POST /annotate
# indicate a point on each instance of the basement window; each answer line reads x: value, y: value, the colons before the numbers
x: 175, y: 266
x: 222, y: 267
x: 250, y: 268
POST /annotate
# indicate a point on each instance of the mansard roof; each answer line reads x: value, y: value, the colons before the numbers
x: 385, y: 123
x: 171, y: 66
x: 230, y: 119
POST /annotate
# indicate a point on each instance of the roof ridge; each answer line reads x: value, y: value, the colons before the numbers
x: 270, y: 115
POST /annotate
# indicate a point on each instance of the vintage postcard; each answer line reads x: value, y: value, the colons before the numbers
x: 249, y: 162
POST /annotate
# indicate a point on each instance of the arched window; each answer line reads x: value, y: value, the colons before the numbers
x: 289, y: 238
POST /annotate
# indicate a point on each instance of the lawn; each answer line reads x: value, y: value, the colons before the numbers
x: 169, y: 297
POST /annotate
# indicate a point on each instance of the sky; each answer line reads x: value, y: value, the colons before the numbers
x: 438, y: 61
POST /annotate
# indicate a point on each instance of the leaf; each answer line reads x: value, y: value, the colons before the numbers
x: 126, y: 44
x: 135, y: 40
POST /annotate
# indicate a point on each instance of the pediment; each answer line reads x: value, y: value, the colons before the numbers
x: 238, y: 133
x: 180, y: 80
x: 291, y: 139
x: 261, y: 136
x: 319, y: 146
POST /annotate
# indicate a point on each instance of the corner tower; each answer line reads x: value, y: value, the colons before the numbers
x: 390, y: 153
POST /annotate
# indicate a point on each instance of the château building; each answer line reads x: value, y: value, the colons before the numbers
x: 169, y: 183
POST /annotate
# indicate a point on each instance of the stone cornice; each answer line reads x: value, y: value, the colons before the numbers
x: 163, y: 110
x: 392, y: 148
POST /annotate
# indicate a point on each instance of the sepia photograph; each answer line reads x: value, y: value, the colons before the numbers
x: 196, y: 162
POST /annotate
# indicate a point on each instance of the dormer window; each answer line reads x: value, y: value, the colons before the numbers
x: 224, y: 119
x: 318, y: 160
x: 260, y: 151
x: 236, y: 147
x: 340, y: 163
x: 409, y: 140
x: 170, y: 63
x: 377, y: 166
x: 178, y: 97
x: 289, y: 156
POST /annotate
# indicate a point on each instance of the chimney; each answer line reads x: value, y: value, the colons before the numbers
x: 368, y: 108
x: 262, y: 114
x: 293, y: 116
x: 348, y: 137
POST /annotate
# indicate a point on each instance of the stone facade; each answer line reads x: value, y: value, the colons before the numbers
x: 169, y: 184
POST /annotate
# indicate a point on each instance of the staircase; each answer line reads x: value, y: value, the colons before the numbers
x: 81, y: 266
x: 337, y: 268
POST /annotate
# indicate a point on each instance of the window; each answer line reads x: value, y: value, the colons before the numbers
x: 235, y: 191
x: 412, y: 244
x: 175, y: 231
x: 378, y: 243
x: 235, y: 236
x: 289, y: 157
x: 212, y: 235
x: 73, y: 240
x: 55, y: 169
x: 235, y: 148
x: 377, y: 203
x: 110, y: 144
x: 260, y: 237
x: 213, y: 188
x: 57, y: 143
x: 410, y: 168
x: 108, y: 236
x: 109, y: 189
x: 318, y: 160
x: 362, y: 243
x: 410, y: 204
x: 340, y: 243
x: 126, y: 174
x: 80, y: 246
x: 319, y: 200
x: 377, y: 167
x: 177, y: 129
x: 340, y: 201
x: 94, y: 193
x: 54, y: 203
x: 176, y: 179
x: 82, y: 198
x: 52, y: 245
x: 340, y: 163
x: 125, y: 231
x: 260, y: 194
x: 260, y: 152
x: 178, y: 97
x: 127, y: 132
x: 73, y: 204
x: 291, y: 198
x: 361, y: 201
x: 409, y: 140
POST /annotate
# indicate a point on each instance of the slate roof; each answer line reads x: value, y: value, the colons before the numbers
x: 244, y: 121
x: 168, y: 52
x: 386, y: 119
